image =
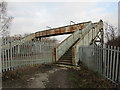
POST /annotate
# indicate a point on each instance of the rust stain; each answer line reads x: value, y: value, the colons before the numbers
x: 71, y: 28
x: 81, y: 26
x: 53, y: 31
x: 40, y: 33
x: 73, y: 56
x: 43, y: 33
x: 37, y: 34
x: 62, y: 30
x: 54, y: 55
x: 48, y: 32
x: 57, y: 31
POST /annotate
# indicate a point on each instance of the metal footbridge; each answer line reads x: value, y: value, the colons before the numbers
x: 85, y: 33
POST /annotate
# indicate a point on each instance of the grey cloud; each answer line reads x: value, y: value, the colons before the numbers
x: 31, y: 17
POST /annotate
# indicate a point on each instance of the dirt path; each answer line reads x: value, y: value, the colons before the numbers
x: 59, y: 79
x: 52, y: 76
x: 56, y: 77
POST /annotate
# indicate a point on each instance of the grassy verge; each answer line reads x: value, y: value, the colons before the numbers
x: 86, y: 78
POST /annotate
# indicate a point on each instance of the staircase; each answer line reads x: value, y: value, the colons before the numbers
x: 66, y: 59
x: 67, y: 52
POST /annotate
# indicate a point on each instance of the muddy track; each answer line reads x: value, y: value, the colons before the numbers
x: 52, y: 76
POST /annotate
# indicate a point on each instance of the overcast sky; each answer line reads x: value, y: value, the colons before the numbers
x: 30, y: 17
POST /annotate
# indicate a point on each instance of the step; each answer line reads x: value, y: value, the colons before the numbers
x: 68, y: 53
x: 65, y: 60
x: 64, y: 63
x: 66, y: 57
x: 69, y: 50
x: 67, y: 66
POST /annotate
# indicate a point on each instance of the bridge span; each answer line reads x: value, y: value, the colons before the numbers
x: 67, y: 52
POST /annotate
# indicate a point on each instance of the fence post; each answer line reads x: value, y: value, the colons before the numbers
x: 8, y: 56
x: 0, y: 63
x: 0, y: 57
x: 111, y: 61
x: 101, y: 60
x: 105, y: 60
x: 5, y: 59
x: 119, y: 65
x: 108, y: 61
x: 113, y: 72
x: 103, y: 52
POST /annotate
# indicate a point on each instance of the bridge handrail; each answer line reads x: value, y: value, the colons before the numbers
x: 67, y: 43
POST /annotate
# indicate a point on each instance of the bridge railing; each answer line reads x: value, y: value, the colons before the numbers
x: 67, y: 43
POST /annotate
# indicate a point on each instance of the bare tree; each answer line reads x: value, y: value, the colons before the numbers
x: 110, y: 32
x: 5, y: 21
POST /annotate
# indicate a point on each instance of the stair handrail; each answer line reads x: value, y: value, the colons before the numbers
x: 68, y: 42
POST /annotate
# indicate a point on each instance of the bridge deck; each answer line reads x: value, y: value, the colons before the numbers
x: 61, y: 30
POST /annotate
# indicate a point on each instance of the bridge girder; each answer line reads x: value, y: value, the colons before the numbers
x: 99, y: 39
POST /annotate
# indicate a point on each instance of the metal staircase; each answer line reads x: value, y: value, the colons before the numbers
x: 67, y: 52
x: 66, y: 58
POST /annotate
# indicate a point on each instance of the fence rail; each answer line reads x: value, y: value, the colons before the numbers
x: 104, y: 60
x: 27, y: 53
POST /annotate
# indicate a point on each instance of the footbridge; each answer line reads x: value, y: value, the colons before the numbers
x: 67, y: 52
x: 85, y: 33
x: 47, y: 33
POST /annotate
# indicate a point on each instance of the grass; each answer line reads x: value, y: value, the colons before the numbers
x: 86, y: 78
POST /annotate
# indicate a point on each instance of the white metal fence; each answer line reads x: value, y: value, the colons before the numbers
x: 104, y: 60
x: 28, y: 53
